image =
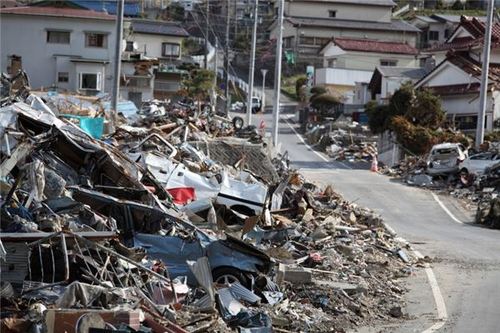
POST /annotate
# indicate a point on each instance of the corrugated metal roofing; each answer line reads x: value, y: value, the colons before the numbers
x: 58, y: 12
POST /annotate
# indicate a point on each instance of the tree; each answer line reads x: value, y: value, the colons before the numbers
x: 377, y: 116
x: 299, y: 88
x: 324, y: 102
x: 458, y: 5
x: 426, y: 110
x: 197, y: 84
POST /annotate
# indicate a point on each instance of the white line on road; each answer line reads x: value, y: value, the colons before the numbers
x: 447, y: 211
x: 438, y: 297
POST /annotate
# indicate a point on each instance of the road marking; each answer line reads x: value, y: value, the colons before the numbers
x: 447, y: 211
x: 309, y: 147
x: 438, y: 297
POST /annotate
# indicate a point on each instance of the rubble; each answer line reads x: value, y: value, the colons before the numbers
x: 179, y: 221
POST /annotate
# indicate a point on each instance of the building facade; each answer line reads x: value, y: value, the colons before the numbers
x: 65, y: 48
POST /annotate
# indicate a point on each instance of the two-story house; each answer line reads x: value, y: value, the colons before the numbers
x: 67, y: 48
x: 150, y: 62
x: 456, y: 78
x: 350, y: 61
x: 310, y: 24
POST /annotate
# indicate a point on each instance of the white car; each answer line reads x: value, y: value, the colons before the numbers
x: 445, y: 158
x: 478, y: 163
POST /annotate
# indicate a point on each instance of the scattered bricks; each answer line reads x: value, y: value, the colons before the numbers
x: 293, y: 274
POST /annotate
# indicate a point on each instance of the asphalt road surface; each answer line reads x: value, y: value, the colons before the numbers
x: 466, y: 257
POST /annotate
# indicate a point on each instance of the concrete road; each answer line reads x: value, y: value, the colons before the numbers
x: 466, y: 258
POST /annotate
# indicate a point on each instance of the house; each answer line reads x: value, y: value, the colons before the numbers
x: 68, y: 48
x: 456, y: 78
x: 467, y: 36
x: 386, y: 80
x: 457, y: 81
x: 310, y: 24
x: 436, y: 28
x: 347, y: 61
x: 147, y: 40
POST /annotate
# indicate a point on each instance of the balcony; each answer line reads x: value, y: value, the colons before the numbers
x: 167, y: 86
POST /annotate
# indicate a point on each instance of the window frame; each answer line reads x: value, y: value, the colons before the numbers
x: 433, y: 33
x: 65, y: 77
x: 163, y: 49
x: 55, y: 31
x: 96, y: 35
x: 388, y: 62
x: 98, y: 81
x: 330, y: 12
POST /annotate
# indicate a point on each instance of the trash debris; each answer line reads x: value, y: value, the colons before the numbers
x: 178, y: 221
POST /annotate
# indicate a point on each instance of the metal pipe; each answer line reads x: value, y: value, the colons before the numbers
x: 252, y: 63
x: 277, y: 74
x: 117, y: 61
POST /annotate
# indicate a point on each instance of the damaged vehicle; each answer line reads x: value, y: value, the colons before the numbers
x: 445, y: 158
x: 478, y: 163
x: 174, y: 241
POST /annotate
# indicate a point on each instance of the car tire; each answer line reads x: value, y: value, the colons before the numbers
x: 225, y: 275
x: 238, y: 123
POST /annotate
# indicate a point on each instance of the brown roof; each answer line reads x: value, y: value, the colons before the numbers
x: 476, y: 28
x: 59, y: 12
x: 370, y: 45
x: 455, y: 89
x: 468, y: 65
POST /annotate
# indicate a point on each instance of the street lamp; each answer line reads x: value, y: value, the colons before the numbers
x: 263, y: 72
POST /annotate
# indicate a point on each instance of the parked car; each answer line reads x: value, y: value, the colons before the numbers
x: 478, y: 163
x: 445, y: 158
x: 256, y: 104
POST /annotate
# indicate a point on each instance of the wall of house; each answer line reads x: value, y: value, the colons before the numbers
x: 390, y: 85
x: 344, y: 11
x: 323, y: 32
x: 26, y: 36
x: 469, y: 105
x: 368, y: 61
x: 449, y: 74
x: 151, y: 45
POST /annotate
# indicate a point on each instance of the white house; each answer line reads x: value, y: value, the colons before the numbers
x: 386, y: 80
x: 159, y: 40
x: 71, y: 49
x: 347, y: 61
x: 457, y: 80
x: 310, y: 24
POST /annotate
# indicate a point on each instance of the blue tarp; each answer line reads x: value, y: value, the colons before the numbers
x: 129, y: 9
x: 92, y: 126
x: 127, y: 108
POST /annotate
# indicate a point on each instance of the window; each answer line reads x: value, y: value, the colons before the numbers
x: 332, y: 13
x: 306, y: 40
x: 322, y: 41
x: 433, y: 35
x: 171, y: 50
x: 58, y: 37
x: 386, y: 62
x: 332, y: 63
x: 95, y: 40
x: 130, y: 46
x: 91, y: 81
x: 447, y: 33
x: 62, y: 77
x: 288, y: 42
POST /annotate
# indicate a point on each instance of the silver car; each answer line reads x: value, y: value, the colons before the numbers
x: 445, y: 158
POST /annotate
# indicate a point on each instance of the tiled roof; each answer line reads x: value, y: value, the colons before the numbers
x: 370, y: 45
x: 159, y: 28
x: 394, y: 25
x: 468, y: 65
x: 476, y: 28
x: 58, y: 12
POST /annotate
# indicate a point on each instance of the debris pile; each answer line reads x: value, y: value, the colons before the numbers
x: 344, y: 140
x: 168, y: 225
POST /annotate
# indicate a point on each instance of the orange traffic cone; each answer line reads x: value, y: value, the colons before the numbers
x: 374, y: 167
x: 262, y: 128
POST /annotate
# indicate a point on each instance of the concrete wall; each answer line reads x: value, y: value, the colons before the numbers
x: 26, y: 36
x: 343, y: 11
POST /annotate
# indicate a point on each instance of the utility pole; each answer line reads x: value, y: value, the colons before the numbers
x: 483, y: 95
x: 252, y: 64
x: 277, y: 74
x: 207, y: 8
x: 214, y: 88
x: 263, y: 72
x: 226, y: 61
x: 117, y: 62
